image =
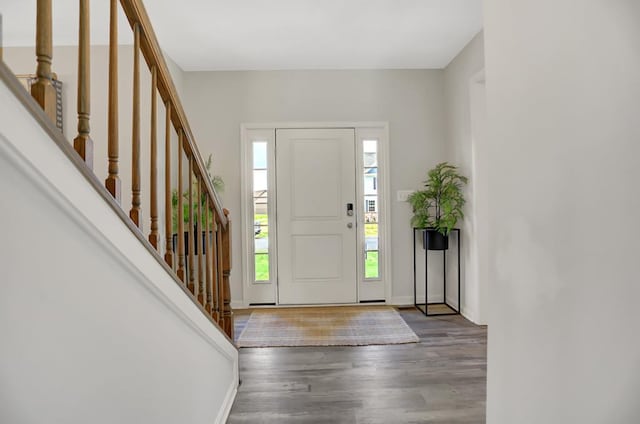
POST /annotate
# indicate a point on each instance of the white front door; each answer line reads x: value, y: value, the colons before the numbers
x: 315, y: 172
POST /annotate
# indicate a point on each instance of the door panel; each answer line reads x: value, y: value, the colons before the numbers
x: 315, y: 172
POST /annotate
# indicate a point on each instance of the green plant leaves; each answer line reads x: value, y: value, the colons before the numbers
x: 440, y: 204
x: 216, y: 182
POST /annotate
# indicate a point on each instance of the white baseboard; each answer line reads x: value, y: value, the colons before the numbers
x: 238, y: 304
x: 401, y: 300
x: 471, y: 314
x: 408, y: 300
x: 225, y: 409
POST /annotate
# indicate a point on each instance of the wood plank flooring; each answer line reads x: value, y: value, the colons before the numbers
x: 441, y: 380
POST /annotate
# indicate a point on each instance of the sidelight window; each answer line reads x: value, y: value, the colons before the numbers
x: 371, y: 234
x: 260, y: 212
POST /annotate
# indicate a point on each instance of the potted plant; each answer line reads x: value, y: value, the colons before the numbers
x: 438, y: 207
x: 218, y: 185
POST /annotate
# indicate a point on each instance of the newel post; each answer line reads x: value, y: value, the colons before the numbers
x: 42, y: 90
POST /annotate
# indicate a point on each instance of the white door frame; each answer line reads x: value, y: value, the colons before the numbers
x: 476, y: 279
x: 266, y: 131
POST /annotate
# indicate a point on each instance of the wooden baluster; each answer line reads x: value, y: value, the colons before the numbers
x: 180, y: 210
x: 191, y: 285
x: 220, y: 276
x: 135, y: 133
x: 168, y: 254
x: 113, y: 183
x: 215, y: 269
x: 200, y: 241
x: 226, y: 289
x: 42, y: 90
x: 154, y: 236
x: 206, y: 298
x: 83, y: 143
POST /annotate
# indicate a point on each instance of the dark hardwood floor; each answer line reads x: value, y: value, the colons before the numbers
x: 442, y: 379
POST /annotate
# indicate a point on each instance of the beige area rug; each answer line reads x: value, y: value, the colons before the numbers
x: 326, y: 326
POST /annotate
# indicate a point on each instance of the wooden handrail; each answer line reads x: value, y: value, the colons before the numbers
x: 150, y: 48
x: 205, y: 278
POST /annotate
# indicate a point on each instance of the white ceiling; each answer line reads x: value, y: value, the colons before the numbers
x: 279, y: 34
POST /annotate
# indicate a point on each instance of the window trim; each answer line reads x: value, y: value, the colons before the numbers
x: 264, y: 290
x: 375, y: 288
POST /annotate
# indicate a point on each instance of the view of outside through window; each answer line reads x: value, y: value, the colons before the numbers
x: 370, y: 149
x: 260, y: 216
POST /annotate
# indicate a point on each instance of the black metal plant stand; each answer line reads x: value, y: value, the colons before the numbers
x: 454, y: 311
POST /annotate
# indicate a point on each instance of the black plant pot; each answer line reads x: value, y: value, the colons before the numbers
x: 434, y: 240
x: 196, y: 242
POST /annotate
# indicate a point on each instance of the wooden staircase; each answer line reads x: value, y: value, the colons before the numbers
x: 203, y: 273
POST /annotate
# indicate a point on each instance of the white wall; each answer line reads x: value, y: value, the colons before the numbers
x: 462, y: 145
x: 177, y: 74
x: 93, y: 328
x: 563, y: 91
x: 411, y: 101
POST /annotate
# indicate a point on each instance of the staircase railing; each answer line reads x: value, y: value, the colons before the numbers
x: 202, y: 272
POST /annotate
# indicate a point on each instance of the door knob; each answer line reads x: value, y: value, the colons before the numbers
x: 350, y: 225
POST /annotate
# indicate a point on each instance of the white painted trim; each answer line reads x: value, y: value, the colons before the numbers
x: 314, y: 125
x: 272, y: 186
x: 315, y: 305
x: 476, y: 313
x: 471, y: 315
x: 386, y: 231
x: 244, y: 267
x: 402, y: 301
x: 227, y: 403
x: 381, y: 134
x: 383, y: 169
x: 248, y: 136
x: 478, y: 77
x: 360, y: 233
x: 239, y: 304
